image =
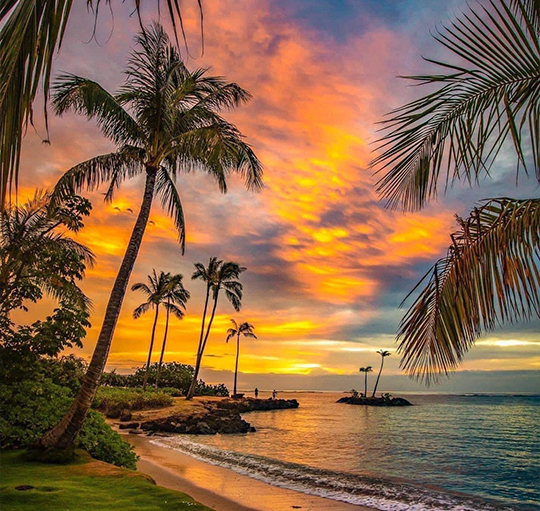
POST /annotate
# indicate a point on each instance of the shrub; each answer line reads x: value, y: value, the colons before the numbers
x: 29, y: 408
x: 108, y: 398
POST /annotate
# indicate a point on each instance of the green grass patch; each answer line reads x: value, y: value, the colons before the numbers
x: 86, y: 484
x: 111, y: 398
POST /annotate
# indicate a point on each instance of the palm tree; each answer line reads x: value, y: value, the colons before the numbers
x: 491, y: 98
x: 165, y: 120
x: 176, y: 299
x: 366, y: 370
x: 31, y: 34
x: 218, y: 275
x: 36, y: 254
x: 383, y: 354
x: 245, y: 329
x: 155, y: 291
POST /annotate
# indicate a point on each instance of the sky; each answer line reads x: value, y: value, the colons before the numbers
x: 328, y: 265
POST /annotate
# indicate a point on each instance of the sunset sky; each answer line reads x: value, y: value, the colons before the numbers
x: 327, y: 265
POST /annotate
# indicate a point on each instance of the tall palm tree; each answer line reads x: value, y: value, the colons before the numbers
x: 218, y: 275
x: 155, y: 292
x: 176, y: 299
x: 487, y: 99
x: 164, y: 120
x: 36, y: 254
x: 31, y: 35
x: 366, y: 370
x: 245, y: 329
x: 383, y: 354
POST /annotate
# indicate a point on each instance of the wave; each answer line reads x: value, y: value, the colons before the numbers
x: 367, y: 491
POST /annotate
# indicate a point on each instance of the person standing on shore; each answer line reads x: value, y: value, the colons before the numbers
x: 256, y: 392
x: 274, y: 394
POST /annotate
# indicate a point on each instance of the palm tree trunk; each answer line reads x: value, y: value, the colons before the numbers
x: 191, y: 390
x: 163, y: 345
x: 378, y: 376
x: 193, y: 386
x: 145, y: 381
x: 65, y: 432
x: 365, y: 385
x: 236, y: 366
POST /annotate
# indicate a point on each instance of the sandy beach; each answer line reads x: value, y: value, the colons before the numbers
x: 220, y: 488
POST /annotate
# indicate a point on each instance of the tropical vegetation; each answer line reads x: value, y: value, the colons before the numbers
x: 366, y: 370
x: 247, y: 330
x: 164, y: 120
x: 162, y: 290
x: 483, y: 107
x: 218, y: 275
x: 383, y: 354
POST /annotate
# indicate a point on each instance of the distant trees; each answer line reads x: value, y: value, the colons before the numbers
x: 245, y: 329
x: 164, y: 120
x: 219, y: 276
x: 366, y: 370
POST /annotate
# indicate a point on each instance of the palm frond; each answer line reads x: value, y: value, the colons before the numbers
x: 141, y: 309
x: 174, y: 309
x: 490, y: 276
x: 172, y: 204
x: 456, y: 132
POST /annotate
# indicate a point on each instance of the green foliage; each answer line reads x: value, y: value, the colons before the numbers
x: 29, y: 408
x: 108, y: 398
x: 174, y: 376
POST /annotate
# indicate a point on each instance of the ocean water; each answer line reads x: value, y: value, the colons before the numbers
x: 448, y: 452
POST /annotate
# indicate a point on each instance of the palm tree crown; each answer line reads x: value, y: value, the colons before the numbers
x: 247, y: 330
x: 489, y: 98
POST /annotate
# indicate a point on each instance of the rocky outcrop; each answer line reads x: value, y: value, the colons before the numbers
x: 219, y: 416
x: 375, y: 401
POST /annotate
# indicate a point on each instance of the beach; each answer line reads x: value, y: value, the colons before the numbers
x: 220, y: 488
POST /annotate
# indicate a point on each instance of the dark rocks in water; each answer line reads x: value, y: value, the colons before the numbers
x: 129, y: 425
x: 375, y: 401
x: 135, y: 432
x: 221, y: 416
x: 113, y: 413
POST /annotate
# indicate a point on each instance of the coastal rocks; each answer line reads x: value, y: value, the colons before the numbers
x: 129, y: 425
x: 219, y: 416
x: 118, y: 413
x: 375, y: 401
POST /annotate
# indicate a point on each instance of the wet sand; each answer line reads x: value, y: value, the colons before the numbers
x: 220, y: 488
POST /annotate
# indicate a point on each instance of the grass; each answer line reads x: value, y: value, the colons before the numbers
x: 110, y: 398
x: 86, y: 484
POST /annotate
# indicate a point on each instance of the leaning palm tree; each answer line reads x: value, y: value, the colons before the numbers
x: 31, y: 35
x: 155, y: 292
x: 165, y: 120
x: 245, y: 329
x: 487, y: 100
x: 176, y: 297
x: 383, y: 354
x: 219, y: 275
x: 366, y: 370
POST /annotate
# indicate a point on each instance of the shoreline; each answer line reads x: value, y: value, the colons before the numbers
x: 221, y: 488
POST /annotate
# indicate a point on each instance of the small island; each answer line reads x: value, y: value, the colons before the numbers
x: 375, y: 401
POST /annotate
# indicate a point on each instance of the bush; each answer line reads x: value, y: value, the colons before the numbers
x: 29, y: 408
x: 108, y: 398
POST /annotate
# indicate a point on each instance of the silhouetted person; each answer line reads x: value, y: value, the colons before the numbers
x: 274, y: 394
x: 256, y: 392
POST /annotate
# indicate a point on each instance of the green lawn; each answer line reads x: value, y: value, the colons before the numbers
x: 87, y: 484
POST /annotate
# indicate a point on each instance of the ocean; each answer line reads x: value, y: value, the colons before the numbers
x: 447, y: 452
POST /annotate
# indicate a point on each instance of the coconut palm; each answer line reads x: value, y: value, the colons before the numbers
x: 487, y: 99
x: 176, y: 299
x: 36, y: 254
x: 164, y: 120
x: 158, y: 294
x: 383, y: 354
x: 245, y: 329
x: 31, y: 34
x: 366, y: 370
x: 218, y: 275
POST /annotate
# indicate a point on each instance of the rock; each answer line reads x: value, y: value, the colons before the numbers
x: 129, y: 425
x: 125, y: 415
x: 114, y: 413
x: 135, y: 432
x: 375, y: 401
